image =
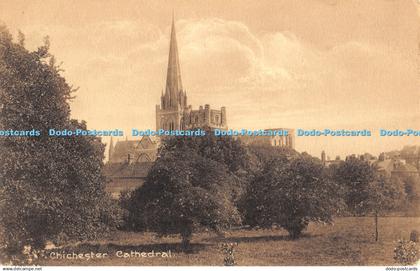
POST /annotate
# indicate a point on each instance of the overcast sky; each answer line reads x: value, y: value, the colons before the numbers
x: 297, y: 64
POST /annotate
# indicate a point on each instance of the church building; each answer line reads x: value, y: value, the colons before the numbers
x: 129, y: 161
x: 174, y: 113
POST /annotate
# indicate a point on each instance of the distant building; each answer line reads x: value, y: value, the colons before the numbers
x: 125, y: 176
x: 400, y: 163
x: 129, y: 163
x: 396, y: 168
x: 133, y: 151
x: 326, y: 161
x: 279, y: 140
x: 411, y: 154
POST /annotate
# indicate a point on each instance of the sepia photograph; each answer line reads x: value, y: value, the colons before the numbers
x: 209, y: 133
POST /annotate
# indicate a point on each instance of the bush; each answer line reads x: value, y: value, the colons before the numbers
x: 132, y: 218
x: 406, y: 252
x: 228, y: 250
x: 414, y: 236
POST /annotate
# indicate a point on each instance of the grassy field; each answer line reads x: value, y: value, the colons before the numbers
x: 350, y: 241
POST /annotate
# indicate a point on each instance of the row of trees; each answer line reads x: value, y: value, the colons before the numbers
x: 52, y: 189
x: 215, y: 183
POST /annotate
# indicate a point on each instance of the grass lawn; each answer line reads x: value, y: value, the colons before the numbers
x: 350, y: 241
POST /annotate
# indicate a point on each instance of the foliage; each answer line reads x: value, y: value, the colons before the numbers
x: 414, y: 236
x: 225, y: 150
x: 228, y: 250
x: 129, y: 222
x: 367, y: 191
x: 229, y: 152
x: 262, y: 154
x: 384, y: 195
x: 51, y: 188
x: 411, y: 186
x: 406, y: 252
x: 291, y: 192
x: 184, y: 192
x: 354, y: 175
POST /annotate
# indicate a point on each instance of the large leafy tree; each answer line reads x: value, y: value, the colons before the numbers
x: 262, y: 154
x: 186, y: 191
x: 291, y: 191
x: 366, y: 191
x: 51, y: 188
x: 411, y: 186
x: 354, y: 176
x: 229, y: 152
x: 384, y: 195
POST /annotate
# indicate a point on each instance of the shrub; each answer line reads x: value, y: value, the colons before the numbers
x: 414, y: 236
x: 228, y: 250
x: 406, y: 252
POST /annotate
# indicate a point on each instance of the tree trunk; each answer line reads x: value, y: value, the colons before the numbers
x: 186, y: 238
x: 185, y: 243
x: 376, y: 227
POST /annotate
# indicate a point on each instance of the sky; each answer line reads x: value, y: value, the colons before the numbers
x: 310, y: 64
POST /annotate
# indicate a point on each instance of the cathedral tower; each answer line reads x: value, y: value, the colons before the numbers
x: 173, y: 112
x: 169, y: 114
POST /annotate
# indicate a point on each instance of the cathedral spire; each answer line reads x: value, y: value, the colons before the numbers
x: 173, y: 78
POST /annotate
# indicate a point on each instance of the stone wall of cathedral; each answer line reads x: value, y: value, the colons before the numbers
x: 205, y: 117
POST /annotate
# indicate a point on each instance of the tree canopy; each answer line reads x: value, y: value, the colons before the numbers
x: 291, y: 192
x: 51, y: 188
x: 185, y: 191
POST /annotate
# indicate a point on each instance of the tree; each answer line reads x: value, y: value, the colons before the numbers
x: 411, y: 186
x: 366, y: 190
x: 291, y: 192
x: 227, y: 151
x: 384, y: 195
x: 51, y: 188
x: 262, y: 154
x: 185, y: 192
x: 354, y: 176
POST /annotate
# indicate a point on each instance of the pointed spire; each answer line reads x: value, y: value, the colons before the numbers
x: 173, y: 78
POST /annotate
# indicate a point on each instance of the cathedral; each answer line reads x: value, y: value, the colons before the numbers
x: 129, y: 161
x: 174, y: 113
